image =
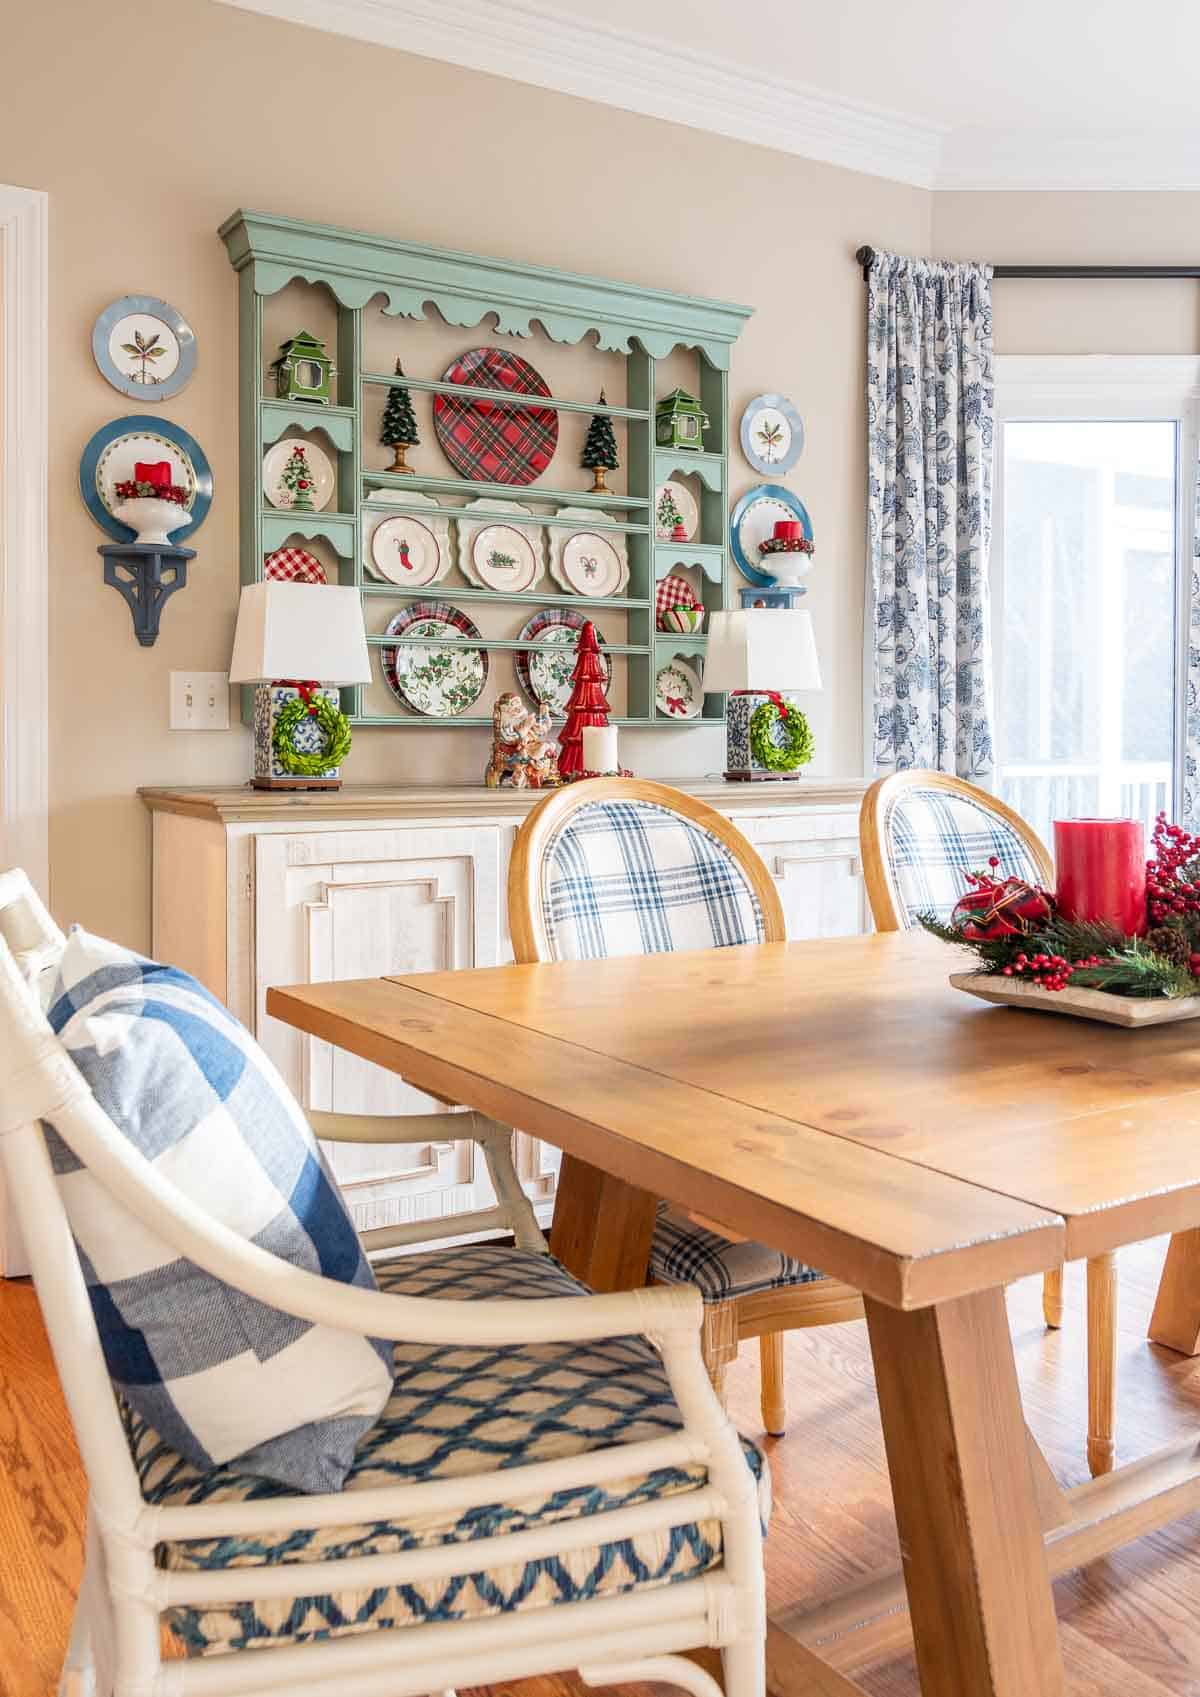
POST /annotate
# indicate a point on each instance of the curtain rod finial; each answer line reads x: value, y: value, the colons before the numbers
x: 865, y: 256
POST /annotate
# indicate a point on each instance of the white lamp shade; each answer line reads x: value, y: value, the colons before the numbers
x: 761, y: 648
x: 300, y: 630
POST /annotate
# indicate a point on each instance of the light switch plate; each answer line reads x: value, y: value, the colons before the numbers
x: 199, y: 701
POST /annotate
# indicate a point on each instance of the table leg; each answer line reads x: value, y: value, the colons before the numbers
x: 974, y: 1561
x: 602, y: 1227
x: 1176, y: 1318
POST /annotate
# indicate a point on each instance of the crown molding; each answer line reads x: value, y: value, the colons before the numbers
x: 624, y: 70
x: 1144, y: 161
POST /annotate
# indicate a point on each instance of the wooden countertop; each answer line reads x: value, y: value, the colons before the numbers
x: 241, y: 804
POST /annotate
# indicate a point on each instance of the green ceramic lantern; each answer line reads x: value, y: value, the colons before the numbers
x: 680, y: 422
x: 303, y: 371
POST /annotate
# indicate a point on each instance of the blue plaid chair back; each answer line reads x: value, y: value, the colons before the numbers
x: 934, y: 838
x: 634, y: 878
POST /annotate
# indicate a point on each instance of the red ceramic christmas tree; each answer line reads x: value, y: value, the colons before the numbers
x: 588, y: 704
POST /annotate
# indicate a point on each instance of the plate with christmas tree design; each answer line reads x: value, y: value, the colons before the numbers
x: 678, y: 691
x: 440, y: 682
x: 544, y: 673
x: 676, y: 514
x: 298, y: 476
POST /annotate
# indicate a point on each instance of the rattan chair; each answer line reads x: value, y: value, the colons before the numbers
x: 160, y: 1543
x: 618, y: 866
x: 921, y: 833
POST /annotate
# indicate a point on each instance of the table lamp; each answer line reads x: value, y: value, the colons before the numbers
x: 758, y: 657
x: 296, y: 642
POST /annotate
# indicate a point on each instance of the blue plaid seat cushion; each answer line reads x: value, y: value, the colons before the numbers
x: 216, y: 1373
x: 633, y: 878
x: 934, y: 838
x: 684, y: 1253
x: 459, y: 1410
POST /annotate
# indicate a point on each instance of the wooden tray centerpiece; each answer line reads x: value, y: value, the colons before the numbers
x: 1117, y: 941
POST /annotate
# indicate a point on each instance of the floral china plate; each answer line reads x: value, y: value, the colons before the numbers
x: 545, y: 673
x: 440, y: 682
x: 678, y: 691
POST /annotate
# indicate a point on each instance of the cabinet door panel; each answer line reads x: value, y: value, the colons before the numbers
x: 361, y: 904
x: 817, y: 865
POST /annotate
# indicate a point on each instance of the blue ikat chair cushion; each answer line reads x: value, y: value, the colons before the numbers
x: 458, y: 1410
x: 633, y: 878
x: 934, y: 838
x: 216, y: 1374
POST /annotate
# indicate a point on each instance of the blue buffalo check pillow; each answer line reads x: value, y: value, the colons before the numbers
x: 217, y: 1374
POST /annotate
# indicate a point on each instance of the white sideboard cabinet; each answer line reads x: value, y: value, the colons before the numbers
x: 255, y: 888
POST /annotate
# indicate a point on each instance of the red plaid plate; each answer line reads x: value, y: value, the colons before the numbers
x: 486, y: 440
x: 293, y: 565
x: 674, y: 591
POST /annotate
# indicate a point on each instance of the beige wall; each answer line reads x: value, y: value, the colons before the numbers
x: 1086, y: 317
x: 145, y: 153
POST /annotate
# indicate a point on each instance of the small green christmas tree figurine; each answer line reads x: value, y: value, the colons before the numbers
x: 296, y: 478
x: 600, y: 450
x: 399, y: 429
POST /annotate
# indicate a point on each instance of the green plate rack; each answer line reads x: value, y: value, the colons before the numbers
x: 269, y: 252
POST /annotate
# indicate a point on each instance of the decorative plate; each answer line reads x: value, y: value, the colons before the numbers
x: 144, y: 348
x: 320, y: 466
x: 545, y: 675
x: 503, y: 558
x: 439, y: 682
x: 293, y: 565
x: 483, y: 532
x: 678, y: 691
x: 674, y: 591
x: 685, y: 506
x: 487, y: 440
x: 772, y: 434
x: 110, y: 456
x: 405, y: 549
x: 587, y: 562
x: 754, y: 520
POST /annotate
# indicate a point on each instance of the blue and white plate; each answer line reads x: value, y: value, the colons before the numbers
x: 754, y: 520
x: 144, y: 347
x: 772, y: 434
x: 112, y: 453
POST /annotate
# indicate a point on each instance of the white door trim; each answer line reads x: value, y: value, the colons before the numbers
x: 24, y: 618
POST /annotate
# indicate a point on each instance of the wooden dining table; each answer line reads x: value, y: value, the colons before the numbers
x: 840, y: 1101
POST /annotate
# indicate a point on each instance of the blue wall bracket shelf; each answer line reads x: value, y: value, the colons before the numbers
x: 147, y: 575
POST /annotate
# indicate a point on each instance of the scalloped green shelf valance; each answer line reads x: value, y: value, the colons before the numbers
x: 465, y: 287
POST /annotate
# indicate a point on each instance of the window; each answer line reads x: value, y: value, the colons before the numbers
x: 1095, y: 469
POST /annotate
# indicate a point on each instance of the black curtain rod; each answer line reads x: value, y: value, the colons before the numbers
x: 865, y: 256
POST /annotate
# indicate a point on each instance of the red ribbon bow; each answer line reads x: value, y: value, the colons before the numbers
x: 306, y: 692
x: 774, y: 695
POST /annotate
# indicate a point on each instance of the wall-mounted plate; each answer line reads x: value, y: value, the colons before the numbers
x: 144, y: 348
x: 753, y: 521
x: 110, y: 456
x: 772, y: 434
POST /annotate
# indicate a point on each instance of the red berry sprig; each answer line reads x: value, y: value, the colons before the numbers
x: 1048, y: 972
x: 1169, y: 888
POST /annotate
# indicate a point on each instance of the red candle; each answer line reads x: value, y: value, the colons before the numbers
x: 157, y: 472
x: 1101, y: 870
x: 788, y: 530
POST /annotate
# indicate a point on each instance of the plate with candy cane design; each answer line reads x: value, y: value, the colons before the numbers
x: 585, y: 561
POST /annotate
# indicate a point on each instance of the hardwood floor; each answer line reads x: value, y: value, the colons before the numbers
x: 1130, y: 1623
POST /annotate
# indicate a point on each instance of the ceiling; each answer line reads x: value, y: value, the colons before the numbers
x: 1047, y: 94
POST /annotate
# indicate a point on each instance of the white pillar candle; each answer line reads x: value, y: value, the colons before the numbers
x: 600, y: 748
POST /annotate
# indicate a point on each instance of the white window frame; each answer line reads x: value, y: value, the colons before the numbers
x: 1103, y: 386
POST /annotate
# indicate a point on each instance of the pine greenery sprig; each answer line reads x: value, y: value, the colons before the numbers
x: 1126, y: 967
x: 1136, y: 971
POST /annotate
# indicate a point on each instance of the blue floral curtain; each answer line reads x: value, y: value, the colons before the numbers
x: 930, y: 407
x: 1190, y: 809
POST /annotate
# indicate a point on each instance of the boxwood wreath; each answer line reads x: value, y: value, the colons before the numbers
x: 797, y: 745
x: 333, y: 725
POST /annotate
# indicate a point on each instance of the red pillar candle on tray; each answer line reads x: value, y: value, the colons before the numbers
x: 1101, y: 872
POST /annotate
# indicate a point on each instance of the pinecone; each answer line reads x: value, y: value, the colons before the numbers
x: 1169, y: 942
